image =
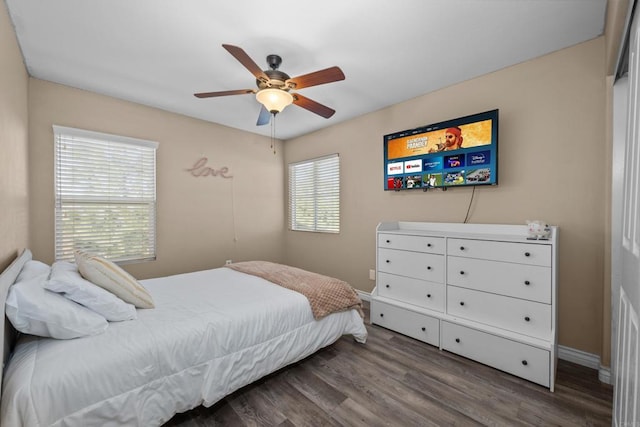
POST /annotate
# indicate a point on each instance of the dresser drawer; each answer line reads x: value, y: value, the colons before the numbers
x: 522, y: 316
x: 521, y: 253
x: 531, y: 282
x: 415, y: 325
x: 412, y: 291
x: 519, y: 359
x: 418, y: 265
x: 434, y: 245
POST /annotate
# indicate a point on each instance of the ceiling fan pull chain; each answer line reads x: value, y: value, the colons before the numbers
x: 273, y: 134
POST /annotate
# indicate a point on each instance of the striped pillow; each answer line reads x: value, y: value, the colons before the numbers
x: 114, y: 279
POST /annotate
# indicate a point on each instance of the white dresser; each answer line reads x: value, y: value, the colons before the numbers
x: 483, y: 291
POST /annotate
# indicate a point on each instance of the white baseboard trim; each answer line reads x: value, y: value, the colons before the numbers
x: 364, y: 296
x: 583, y: 358
x: 604, y: 375
x: 579, y: 357
x: 569, y: 354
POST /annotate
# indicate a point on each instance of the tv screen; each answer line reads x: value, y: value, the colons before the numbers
x: 453, y: 153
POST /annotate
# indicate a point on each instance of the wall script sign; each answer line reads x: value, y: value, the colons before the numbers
x: 200, y: 168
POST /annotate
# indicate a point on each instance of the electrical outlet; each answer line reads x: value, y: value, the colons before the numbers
x: 372, y: 275
x: 227, y: 262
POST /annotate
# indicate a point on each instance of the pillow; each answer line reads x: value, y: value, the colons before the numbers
x: 32, y: 268
x: 109, y: 276
x: 34, y: 310
x: 66, y: 280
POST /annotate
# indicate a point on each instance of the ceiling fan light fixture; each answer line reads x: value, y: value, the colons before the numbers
x: 274, y: 100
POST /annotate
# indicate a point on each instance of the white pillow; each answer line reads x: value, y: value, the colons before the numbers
x: 32, y: 268
x: 109, y: 276
x: 34, y: 310
x: 66, y: 280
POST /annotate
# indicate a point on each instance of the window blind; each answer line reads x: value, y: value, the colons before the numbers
x: 314, y: 195
x: 105, y: 195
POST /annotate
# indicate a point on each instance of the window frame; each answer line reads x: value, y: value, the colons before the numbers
x: 321, y: 171
x: 138, y: 197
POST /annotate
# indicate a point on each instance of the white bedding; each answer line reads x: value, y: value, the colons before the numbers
x: 211, y: 333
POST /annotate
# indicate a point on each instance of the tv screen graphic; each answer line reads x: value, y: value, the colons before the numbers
x: 453, y: 153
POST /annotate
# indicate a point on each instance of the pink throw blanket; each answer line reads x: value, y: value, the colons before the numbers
x: 326, y: 295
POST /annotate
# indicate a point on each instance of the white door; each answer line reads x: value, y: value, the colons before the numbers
x: 626, y: 405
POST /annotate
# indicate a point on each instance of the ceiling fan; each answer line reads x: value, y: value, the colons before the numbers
x: 274, y: 86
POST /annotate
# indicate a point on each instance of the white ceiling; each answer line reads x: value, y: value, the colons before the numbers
x: 160, y: 52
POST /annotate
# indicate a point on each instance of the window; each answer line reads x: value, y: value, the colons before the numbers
x: 105, y: 195
x: 314, y: 195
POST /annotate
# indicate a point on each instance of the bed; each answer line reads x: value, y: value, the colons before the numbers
x: 211, y: 332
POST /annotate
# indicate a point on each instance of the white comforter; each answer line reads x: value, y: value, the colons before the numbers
x: 211, y: 333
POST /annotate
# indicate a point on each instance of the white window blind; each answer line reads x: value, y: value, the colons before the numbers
x: 314, y: 195
x: 105, y: 195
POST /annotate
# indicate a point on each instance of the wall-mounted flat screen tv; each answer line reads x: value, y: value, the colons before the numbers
x: 453, y: 153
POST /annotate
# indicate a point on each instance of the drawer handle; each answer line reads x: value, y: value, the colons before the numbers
x: 526, y: 282
x: 461, y: 302
x: 527, y: 254
x: 462, y: 272
x: 428, y: 267
x: 424, y: 329
x: 527, y: 318
x: 525, y: 363
x: 428, y: 245
x: 462, y: 248
x: 388, y: 261
x: 388, y: 241
x: 428, y: 295
x: 458, y: 340
x: 387, y: 286
x: 381, y: 314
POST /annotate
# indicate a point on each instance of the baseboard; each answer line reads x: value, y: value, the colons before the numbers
x: 583, y: 358
x: 579, y: 357
x: 364, y: 296
x: 604, y: 375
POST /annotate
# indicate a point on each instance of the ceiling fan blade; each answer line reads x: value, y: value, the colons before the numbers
x: 223, y: 93
x: 246, y: 60
x: 264, y: 117
x: 313, y: 106
x: 328, y: 75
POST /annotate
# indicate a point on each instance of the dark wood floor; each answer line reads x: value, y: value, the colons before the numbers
x: 393, y: 380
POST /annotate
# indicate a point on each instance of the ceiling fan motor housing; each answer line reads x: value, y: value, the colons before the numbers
x: 276, y: 79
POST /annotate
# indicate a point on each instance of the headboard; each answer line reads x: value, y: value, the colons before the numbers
x: 7, y: 332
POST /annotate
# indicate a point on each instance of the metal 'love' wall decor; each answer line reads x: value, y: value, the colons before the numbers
x: 200, y: 169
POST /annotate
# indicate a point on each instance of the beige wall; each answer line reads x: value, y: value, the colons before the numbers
x: 14, y: 207
x: 201, y: 221
x: 552, y: 152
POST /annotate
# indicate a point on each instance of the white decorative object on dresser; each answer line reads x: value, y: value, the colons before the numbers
x: 483, y: 291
